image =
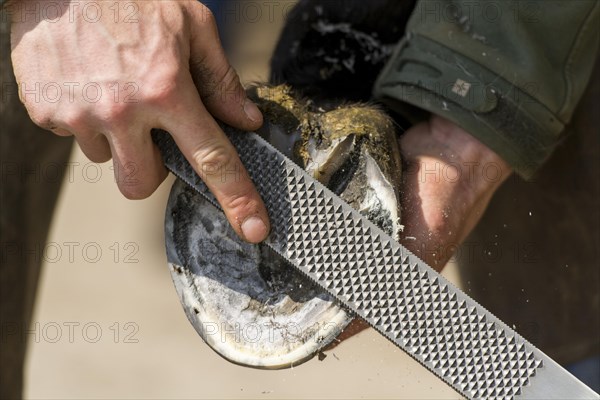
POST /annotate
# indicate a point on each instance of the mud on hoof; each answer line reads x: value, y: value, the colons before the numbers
x: 245, y: 302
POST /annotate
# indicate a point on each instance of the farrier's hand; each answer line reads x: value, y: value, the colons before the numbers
x: 109, y: 72
x: 450, y: 180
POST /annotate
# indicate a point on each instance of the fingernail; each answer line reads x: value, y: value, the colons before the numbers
x: 254, y: 230
x: 252, y: 112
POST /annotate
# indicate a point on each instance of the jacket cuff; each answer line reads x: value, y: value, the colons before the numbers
x: 432, y: 77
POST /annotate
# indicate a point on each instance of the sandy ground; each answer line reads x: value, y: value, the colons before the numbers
x: 108, y: 323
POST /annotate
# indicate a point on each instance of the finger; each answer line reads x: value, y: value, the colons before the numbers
x: 214, y: 158
x: 218, y: 83
x: 94, y: 146
x: 138, y: 165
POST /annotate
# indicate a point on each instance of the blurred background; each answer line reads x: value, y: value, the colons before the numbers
x: 108, y: 323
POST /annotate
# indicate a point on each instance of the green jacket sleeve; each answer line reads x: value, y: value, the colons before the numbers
x: 509, y: 72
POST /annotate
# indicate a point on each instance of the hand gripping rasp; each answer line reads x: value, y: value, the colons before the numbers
x: 399, y: 295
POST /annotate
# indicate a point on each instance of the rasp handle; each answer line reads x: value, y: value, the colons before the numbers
x: 395, y: 292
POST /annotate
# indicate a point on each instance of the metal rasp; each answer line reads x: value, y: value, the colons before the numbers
x: 373, y: 275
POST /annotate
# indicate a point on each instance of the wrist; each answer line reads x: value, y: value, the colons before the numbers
x: 452, y: 154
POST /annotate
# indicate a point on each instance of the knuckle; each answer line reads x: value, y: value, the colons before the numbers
x: 162, y: 93
x: 117, y: 111
x: 207, y: 16
x: 113, y: 117
x: 212, y: 159
x: 74, y: 119
x: 229, y: 77
x: 163, y: 85
x: 42, y: 118
x: 229, y: 86
x: 241, y: 203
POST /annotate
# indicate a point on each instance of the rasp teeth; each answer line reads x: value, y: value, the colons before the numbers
x: 375, y: 277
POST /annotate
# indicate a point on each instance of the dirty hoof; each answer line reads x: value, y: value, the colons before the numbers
x: 245, y: 302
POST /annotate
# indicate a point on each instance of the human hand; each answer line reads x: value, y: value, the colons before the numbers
x: 109, y: 72
x: 447, y: 185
